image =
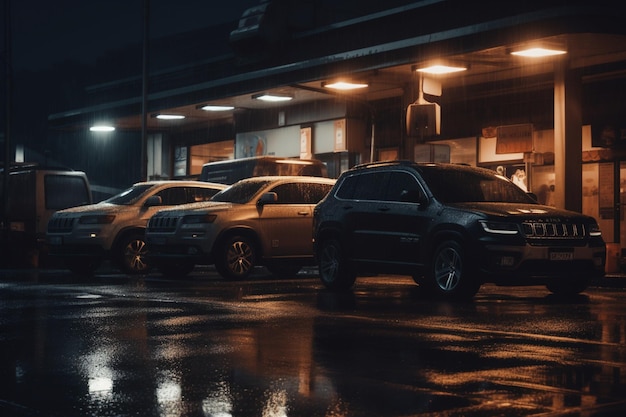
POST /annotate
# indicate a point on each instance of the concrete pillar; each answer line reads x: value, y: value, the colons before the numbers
x: 567, y: 137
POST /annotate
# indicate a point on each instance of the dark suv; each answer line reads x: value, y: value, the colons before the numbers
x: 452, y: 228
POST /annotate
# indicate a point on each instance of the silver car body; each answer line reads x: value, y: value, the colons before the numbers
x: 85, y: 235
x: 276, y: 216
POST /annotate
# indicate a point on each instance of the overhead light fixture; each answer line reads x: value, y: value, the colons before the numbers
x: 344, y: 85
x: 169, y: 116
x: 101, y: 128
x: 272, y: 97
x: 538, y: 52
x: 213, y: 107
x: 440, y: 69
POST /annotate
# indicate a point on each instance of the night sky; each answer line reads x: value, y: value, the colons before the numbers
x: 60, y: 47
x: 48, y: 32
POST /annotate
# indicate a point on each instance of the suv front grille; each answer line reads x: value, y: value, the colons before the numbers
x: 61, y: 224
x: 548, y: 230
x: 162, y: 224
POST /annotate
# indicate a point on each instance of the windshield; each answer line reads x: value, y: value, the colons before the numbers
x: 129, y: 196
x: 461, y: 186
x: 241, y: 192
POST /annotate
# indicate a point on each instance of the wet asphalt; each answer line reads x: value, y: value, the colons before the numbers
x: 112, y: 345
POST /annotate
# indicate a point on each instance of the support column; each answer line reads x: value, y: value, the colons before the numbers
x: 567, y: 137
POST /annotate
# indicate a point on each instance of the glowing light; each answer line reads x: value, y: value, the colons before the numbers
x: 538, y: 52
x: 102, y: 128
x: 344, y: 85
x: 271, y: 97
x: 441, y: 69
x: 170, y: 116
x: 210, y: 107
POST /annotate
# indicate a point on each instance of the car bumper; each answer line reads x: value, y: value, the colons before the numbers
x: 523, y: 265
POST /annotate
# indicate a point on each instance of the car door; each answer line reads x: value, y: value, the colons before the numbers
x: 285, y: 224
x: 385, y: 219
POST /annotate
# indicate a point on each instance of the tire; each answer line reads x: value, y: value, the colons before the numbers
x: 174, y: 269
x: 236, y: 258
x: 568, y: 288
x: 451, y: 273
x: 333, y: 270
x: 132, y: 254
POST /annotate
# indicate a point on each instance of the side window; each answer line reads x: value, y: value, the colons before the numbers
x: 289, y: 194
x: 173, y: 196
x: 403, y: 187
x: 195, y: 194
x: 372, y: 186
x: 313, y: 193
x: 63, y: 191
x: 347, y: 187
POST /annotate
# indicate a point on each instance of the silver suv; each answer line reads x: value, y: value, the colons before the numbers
x: 114, y: 228
x: 256, y: 221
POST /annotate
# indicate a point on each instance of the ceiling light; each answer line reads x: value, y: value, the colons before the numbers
x: 169, y: 116
x: 102, y: 128
x: 271, y: 97
x: 538, y: 52
x: 212, y: 107
x: 440, y: 69
x: 344, y: 85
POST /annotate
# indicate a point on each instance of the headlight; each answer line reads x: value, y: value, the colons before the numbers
x: 199, y: 218
x: 594, y: 230
x: 97, y: 219
x: 500, y: 228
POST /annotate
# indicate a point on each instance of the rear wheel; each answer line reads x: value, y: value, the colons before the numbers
x: 333, y: 268
x: 236, y: 258
x: 451, y: 272
x: 132, y: 254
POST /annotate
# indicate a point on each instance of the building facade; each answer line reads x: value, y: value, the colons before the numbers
x: 554, y: 124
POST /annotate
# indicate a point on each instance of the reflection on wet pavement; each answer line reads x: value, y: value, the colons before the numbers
x: 154, y: 349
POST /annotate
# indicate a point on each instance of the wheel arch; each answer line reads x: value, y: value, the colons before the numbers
x: 238, y: 230
x: 124, y: 233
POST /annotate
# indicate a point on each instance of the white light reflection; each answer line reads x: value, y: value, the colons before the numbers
x: 276, y: 405
x: 99, y: 374
x: 219, y: 402
x: 169, y: 397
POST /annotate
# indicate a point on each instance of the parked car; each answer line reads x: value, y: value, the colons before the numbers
x: 34, y: 193
x: 256, y: 221
x: 452, y: 228
x: 114, y: 228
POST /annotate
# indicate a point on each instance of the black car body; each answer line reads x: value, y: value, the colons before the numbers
x: 453, y: 228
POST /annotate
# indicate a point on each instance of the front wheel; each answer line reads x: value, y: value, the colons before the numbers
x: 132, y: 255
x: 334, y: 272
x: 451, y: 272
x: 236, y: 258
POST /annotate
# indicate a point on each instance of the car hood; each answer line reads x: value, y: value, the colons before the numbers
x: 191, y: 208
x: 101, y: 207
x: 519, y: 210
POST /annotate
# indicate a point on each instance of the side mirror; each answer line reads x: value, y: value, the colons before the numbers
x: 270, y: 197
x: 413, y: 196
x: 153, y: 200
